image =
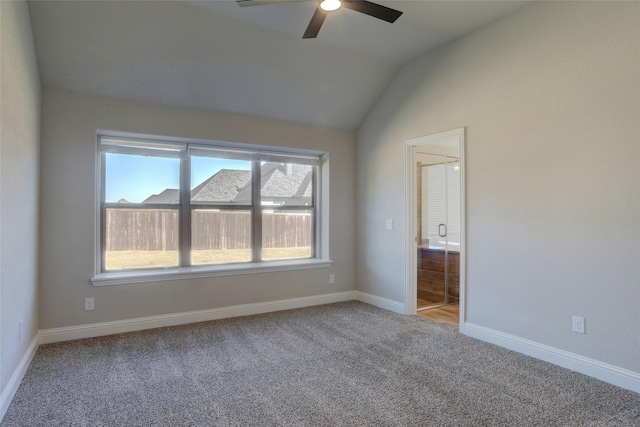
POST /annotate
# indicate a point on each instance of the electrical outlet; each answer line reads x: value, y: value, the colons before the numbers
x: 389, y: 224
x: 20, y: 331
x: 332, y: 279
x: 578, y: 324
x: 88, y: 304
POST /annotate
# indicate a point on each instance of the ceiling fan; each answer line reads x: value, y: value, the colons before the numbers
x: 326, y: 6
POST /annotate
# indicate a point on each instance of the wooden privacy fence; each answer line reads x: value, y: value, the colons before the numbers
x: 157, y: 230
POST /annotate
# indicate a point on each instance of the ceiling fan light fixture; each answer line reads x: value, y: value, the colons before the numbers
x: 330, y: 5
x: 323, y: 6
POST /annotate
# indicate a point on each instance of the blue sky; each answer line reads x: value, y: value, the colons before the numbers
x: 135, y: 178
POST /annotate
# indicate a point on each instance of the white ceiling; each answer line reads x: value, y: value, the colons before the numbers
x: 216, y: 55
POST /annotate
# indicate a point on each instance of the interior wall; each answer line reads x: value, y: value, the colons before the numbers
x: 69, y: 125
x: 549, y: 99
x: 19, y: 163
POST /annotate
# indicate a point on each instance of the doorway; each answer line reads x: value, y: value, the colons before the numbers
x: 435, y: 184
x: 437, y: 228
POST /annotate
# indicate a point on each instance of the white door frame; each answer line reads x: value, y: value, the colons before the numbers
x: 411, y: 274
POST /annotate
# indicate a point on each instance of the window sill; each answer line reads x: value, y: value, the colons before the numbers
x: 129, y: 277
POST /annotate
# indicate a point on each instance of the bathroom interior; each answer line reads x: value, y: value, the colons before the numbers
x: 438, y: 232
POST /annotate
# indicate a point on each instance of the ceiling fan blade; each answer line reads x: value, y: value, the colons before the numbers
x: 245, y: 3
x: 314, y: 25
x: 372, y: 9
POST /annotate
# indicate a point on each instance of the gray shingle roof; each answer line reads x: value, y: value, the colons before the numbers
x: 292, y: 183
x: 224, y: 186
x: 285, y: 183
x: 169, y: 196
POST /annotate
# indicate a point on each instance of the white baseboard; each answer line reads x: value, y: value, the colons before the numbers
x: 611, y: 374
x: 387, y: 304
x: 119, y: 326
x: 14, y: 382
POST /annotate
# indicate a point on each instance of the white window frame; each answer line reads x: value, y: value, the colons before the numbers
x: 183, y: 149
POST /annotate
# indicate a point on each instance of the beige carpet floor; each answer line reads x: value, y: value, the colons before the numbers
x: 346, y: 364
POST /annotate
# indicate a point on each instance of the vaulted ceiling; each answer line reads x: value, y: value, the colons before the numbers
x: 216, y: 55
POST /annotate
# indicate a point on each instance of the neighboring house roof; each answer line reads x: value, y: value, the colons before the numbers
x: 280, y: 182
x: 292, y: 182
x: 167, y: 197
x: 267, y: 171
x: 224, y: 186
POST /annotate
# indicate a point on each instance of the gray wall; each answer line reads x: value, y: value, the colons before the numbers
x: 69, y: 125
x: 550, y: 98
x: 19, y: 158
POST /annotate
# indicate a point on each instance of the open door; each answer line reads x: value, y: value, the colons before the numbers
x: 435, y: 219
x: 438, y: 228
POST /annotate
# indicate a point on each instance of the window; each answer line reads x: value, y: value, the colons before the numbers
x: 168, y: 205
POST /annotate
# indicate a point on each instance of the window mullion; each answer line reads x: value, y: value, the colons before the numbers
x: 315, y: 197
x: 103, y: 213
x: 185, y: 211
x: 256, y: 202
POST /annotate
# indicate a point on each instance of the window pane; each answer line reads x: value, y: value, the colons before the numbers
x: 141, y: 238
x: 220, y: 181
x: 141, y: 179
x: 220, y: 236
x: 287, y: 234
x: 286, y: 184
